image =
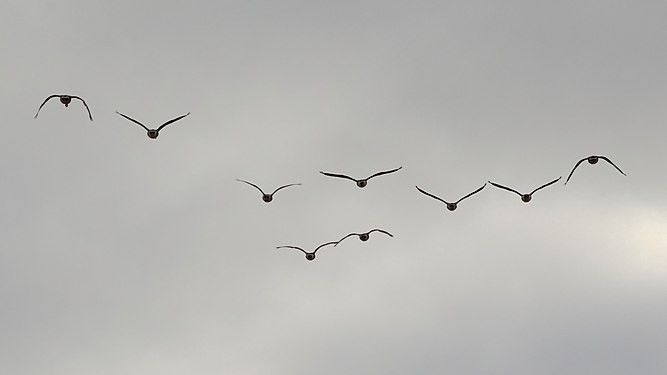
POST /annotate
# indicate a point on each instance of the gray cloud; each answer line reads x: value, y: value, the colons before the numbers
x: 123, y: 255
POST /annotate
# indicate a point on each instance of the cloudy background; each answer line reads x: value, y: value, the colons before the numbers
x: 125, y: 255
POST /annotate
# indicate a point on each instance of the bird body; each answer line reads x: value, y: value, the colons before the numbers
x: 267, y: 197
x: 593, y: 159
x: 66, y: 100
x: 364, y: 236
x: 153, y: 133
x: 525, y: 197
x: 363, y: 182
x: 451, y: 205
x: 311, y: 255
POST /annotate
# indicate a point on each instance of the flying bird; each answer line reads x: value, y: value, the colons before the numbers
x: 525, y: 197
x: 450, y: 205
x: 364, y: 236
x: 65, y: 99
x: 593, y: 159
x: 363, y: 182
x: 267, y: 197
x: 309, y: 256
x: 153, y: 133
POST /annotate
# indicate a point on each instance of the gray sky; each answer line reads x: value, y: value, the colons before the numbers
x: 125, y: 255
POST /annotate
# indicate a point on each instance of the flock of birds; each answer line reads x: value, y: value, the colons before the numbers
x: 361, y: 183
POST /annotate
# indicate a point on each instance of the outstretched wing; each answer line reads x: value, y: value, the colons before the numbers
x: 384, y: 172
x: 351, y: 234
x: 545, y: 185
x: 324, y: 244
x: 284, y: 186
x: 610, y: 162
x: 504, y: 187
x: 251, y: 184
x: 431, y: 195
x: 44, y: 102
x: 474, y: 192
x: 133, y: 120
x: 381, y: 231
x: 575, y: 167
x: 338, y: 175
x: 86, y: 105
x: 292, y: 247
x: 172, y: 121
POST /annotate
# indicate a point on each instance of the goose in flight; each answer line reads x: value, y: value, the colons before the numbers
x: 65, y: 99
x: 525, y: 197
x: 450, y: 205
x: 364, y: 236
x: 309, y: 256
x: 153, y: 133
x: 363, y: 182
x: 593, y: 159
x: 267, y: 197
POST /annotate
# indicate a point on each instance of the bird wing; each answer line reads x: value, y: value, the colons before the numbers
x: 610, y: 162
x: 575, y: 167
x: 338, y: 175
x: 284, y: 186
x: 383, y: 172
x: 545, y: 185
x: 44, y: 102
x: 381, y: 231
x: 325, y: 244
x: 474, y: 192
x: 133, y: 120
x: 351, y: 234
x: 431, y: 195
x: 504, y: 187
x: 171, y: 121
x: 251, y: 184
x: 292, y: 247
x: 86, y: 105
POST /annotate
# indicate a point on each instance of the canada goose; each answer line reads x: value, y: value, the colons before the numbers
x: 593, y: 159
x: 360, y: 183
x: 364, y: 236
x: 267, y: 197
x: 153, y: 133
x: 65, y: 99
x: 309, y: 256
x: 450, y: 206
x: 525, y: 197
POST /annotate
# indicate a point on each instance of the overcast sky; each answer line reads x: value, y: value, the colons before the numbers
x: 120, y: 254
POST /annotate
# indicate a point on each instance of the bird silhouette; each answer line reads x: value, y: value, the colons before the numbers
x: 364, y: 236
x: 309, y: 256
x: 363, y: 182
x: 153, y: 133
x: 450, y: 205
x: 593, y: 159
x: 66, y: 100
x: 267, y: 197
x: 525, y: 197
